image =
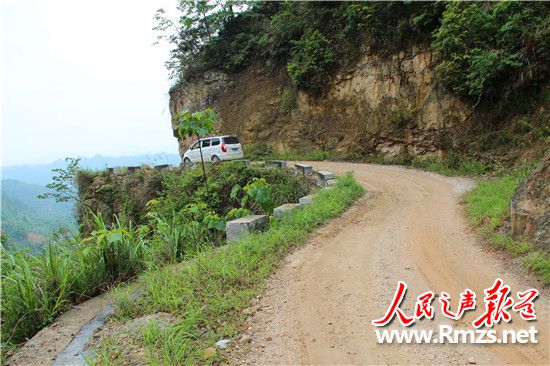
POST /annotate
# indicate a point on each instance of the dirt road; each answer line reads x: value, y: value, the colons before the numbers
x: 318, y: 307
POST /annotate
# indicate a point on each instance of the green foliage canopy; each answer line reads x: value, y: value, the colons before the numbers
x: 310, y: 60
x: 488, y: 50
x: 485, y: 50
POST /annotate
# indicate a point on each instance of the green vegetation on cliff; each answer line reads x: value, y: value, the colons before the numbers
x: 486, y: 50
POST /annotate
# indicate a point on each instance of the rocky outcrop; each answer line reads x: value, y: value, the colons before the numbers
x: 387, y: 105
x: 530, y: 207
x: 124, y: 194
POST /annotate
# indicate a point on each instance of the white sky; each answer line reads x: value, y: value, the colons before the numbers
x: 81, y: 78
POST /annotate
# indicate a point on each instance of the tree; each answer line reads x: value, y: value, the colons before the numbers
x: 64, y: 183
x: 199, y: 23
x: 196, y: 124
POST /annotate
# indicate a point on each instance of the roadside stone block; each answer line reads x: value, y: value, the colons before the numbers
x: 234, y: 229
x: 306, y: 200
x: 162, y: 167
x: 280, y: 211
x: 323, y: 178
x: 303, y: 168
x: 330, y: 182
x: 110, y: 170
x: 276, y: 164
x: 132, y: 169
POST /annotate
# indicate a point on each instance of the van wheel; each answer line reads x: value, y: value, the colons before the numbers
x: 186, y: 162
x: 215, y: 159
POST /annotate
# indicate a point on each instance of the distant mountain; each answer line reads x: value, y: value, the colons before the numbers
x: 28, y: 221
x: 42, y: 173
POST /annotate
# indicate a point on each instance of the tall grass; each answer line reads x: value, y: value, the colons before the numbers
x: 207, y: 293
x: 36, y: 289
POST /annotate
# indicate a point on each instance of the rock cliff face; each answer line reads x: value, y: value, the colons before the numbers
x: 389, y: 105
x: 530, y: 207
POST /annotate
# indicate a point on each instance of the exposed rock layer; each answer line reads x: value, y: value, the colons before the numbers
x: 530, y: 207
x: 388, y: 105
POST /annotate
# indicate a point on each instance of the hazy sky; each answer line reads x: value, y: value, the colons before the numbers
x: 81, y: 78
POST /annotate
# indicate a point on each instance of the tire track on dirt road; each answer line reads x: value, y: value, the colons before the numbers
x: 318, y: 306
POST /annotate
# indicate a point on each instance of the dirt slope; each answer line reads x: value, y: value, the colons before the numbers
x: 318, y: 307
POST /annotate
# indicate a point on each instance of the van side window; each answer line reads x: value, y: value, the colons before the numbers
x: 195, y: 146
x: 230, y: 140
x: 215, y: 142
x: 205, y: 143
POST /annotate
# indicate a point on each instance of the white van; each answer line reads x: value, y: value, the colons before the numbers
x: 214, y: 149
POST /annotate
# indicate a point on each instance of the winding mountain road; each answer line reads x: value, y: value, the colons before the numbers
x: 318, y: 307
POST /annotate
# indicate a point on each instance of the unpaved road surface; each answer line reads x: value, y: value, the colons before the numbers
x: 318, y: 307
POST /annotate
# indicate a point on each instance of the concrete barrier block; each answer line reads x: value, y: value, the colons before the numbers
x: 282, y: 210
x: 276, y: 163
x: 234, y: 229
x: 323, y: 177
x: 304, y: 169
x: 132, y: 169
x: 162, y: 167
x: 306, y: 200
x: 330, y: 182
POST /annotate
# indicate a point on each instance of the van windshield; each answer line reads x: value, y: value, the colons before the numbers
x: 230, y: 140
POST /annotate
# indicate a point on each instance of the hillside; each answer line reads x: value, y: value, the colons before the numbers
x: 395, y: 79
x: 27, y: 220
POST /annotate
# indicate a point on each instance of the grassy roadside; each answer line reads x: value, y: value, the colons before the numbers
x: 208, y: 293
x: 487, y: 207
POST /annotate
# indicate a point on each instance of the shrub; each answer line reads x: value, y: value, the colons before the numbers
x: 287, y: 102
x: 258, y: 151
x: 182, y: 189
x: 492, y: 50
x: 311, y: 58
